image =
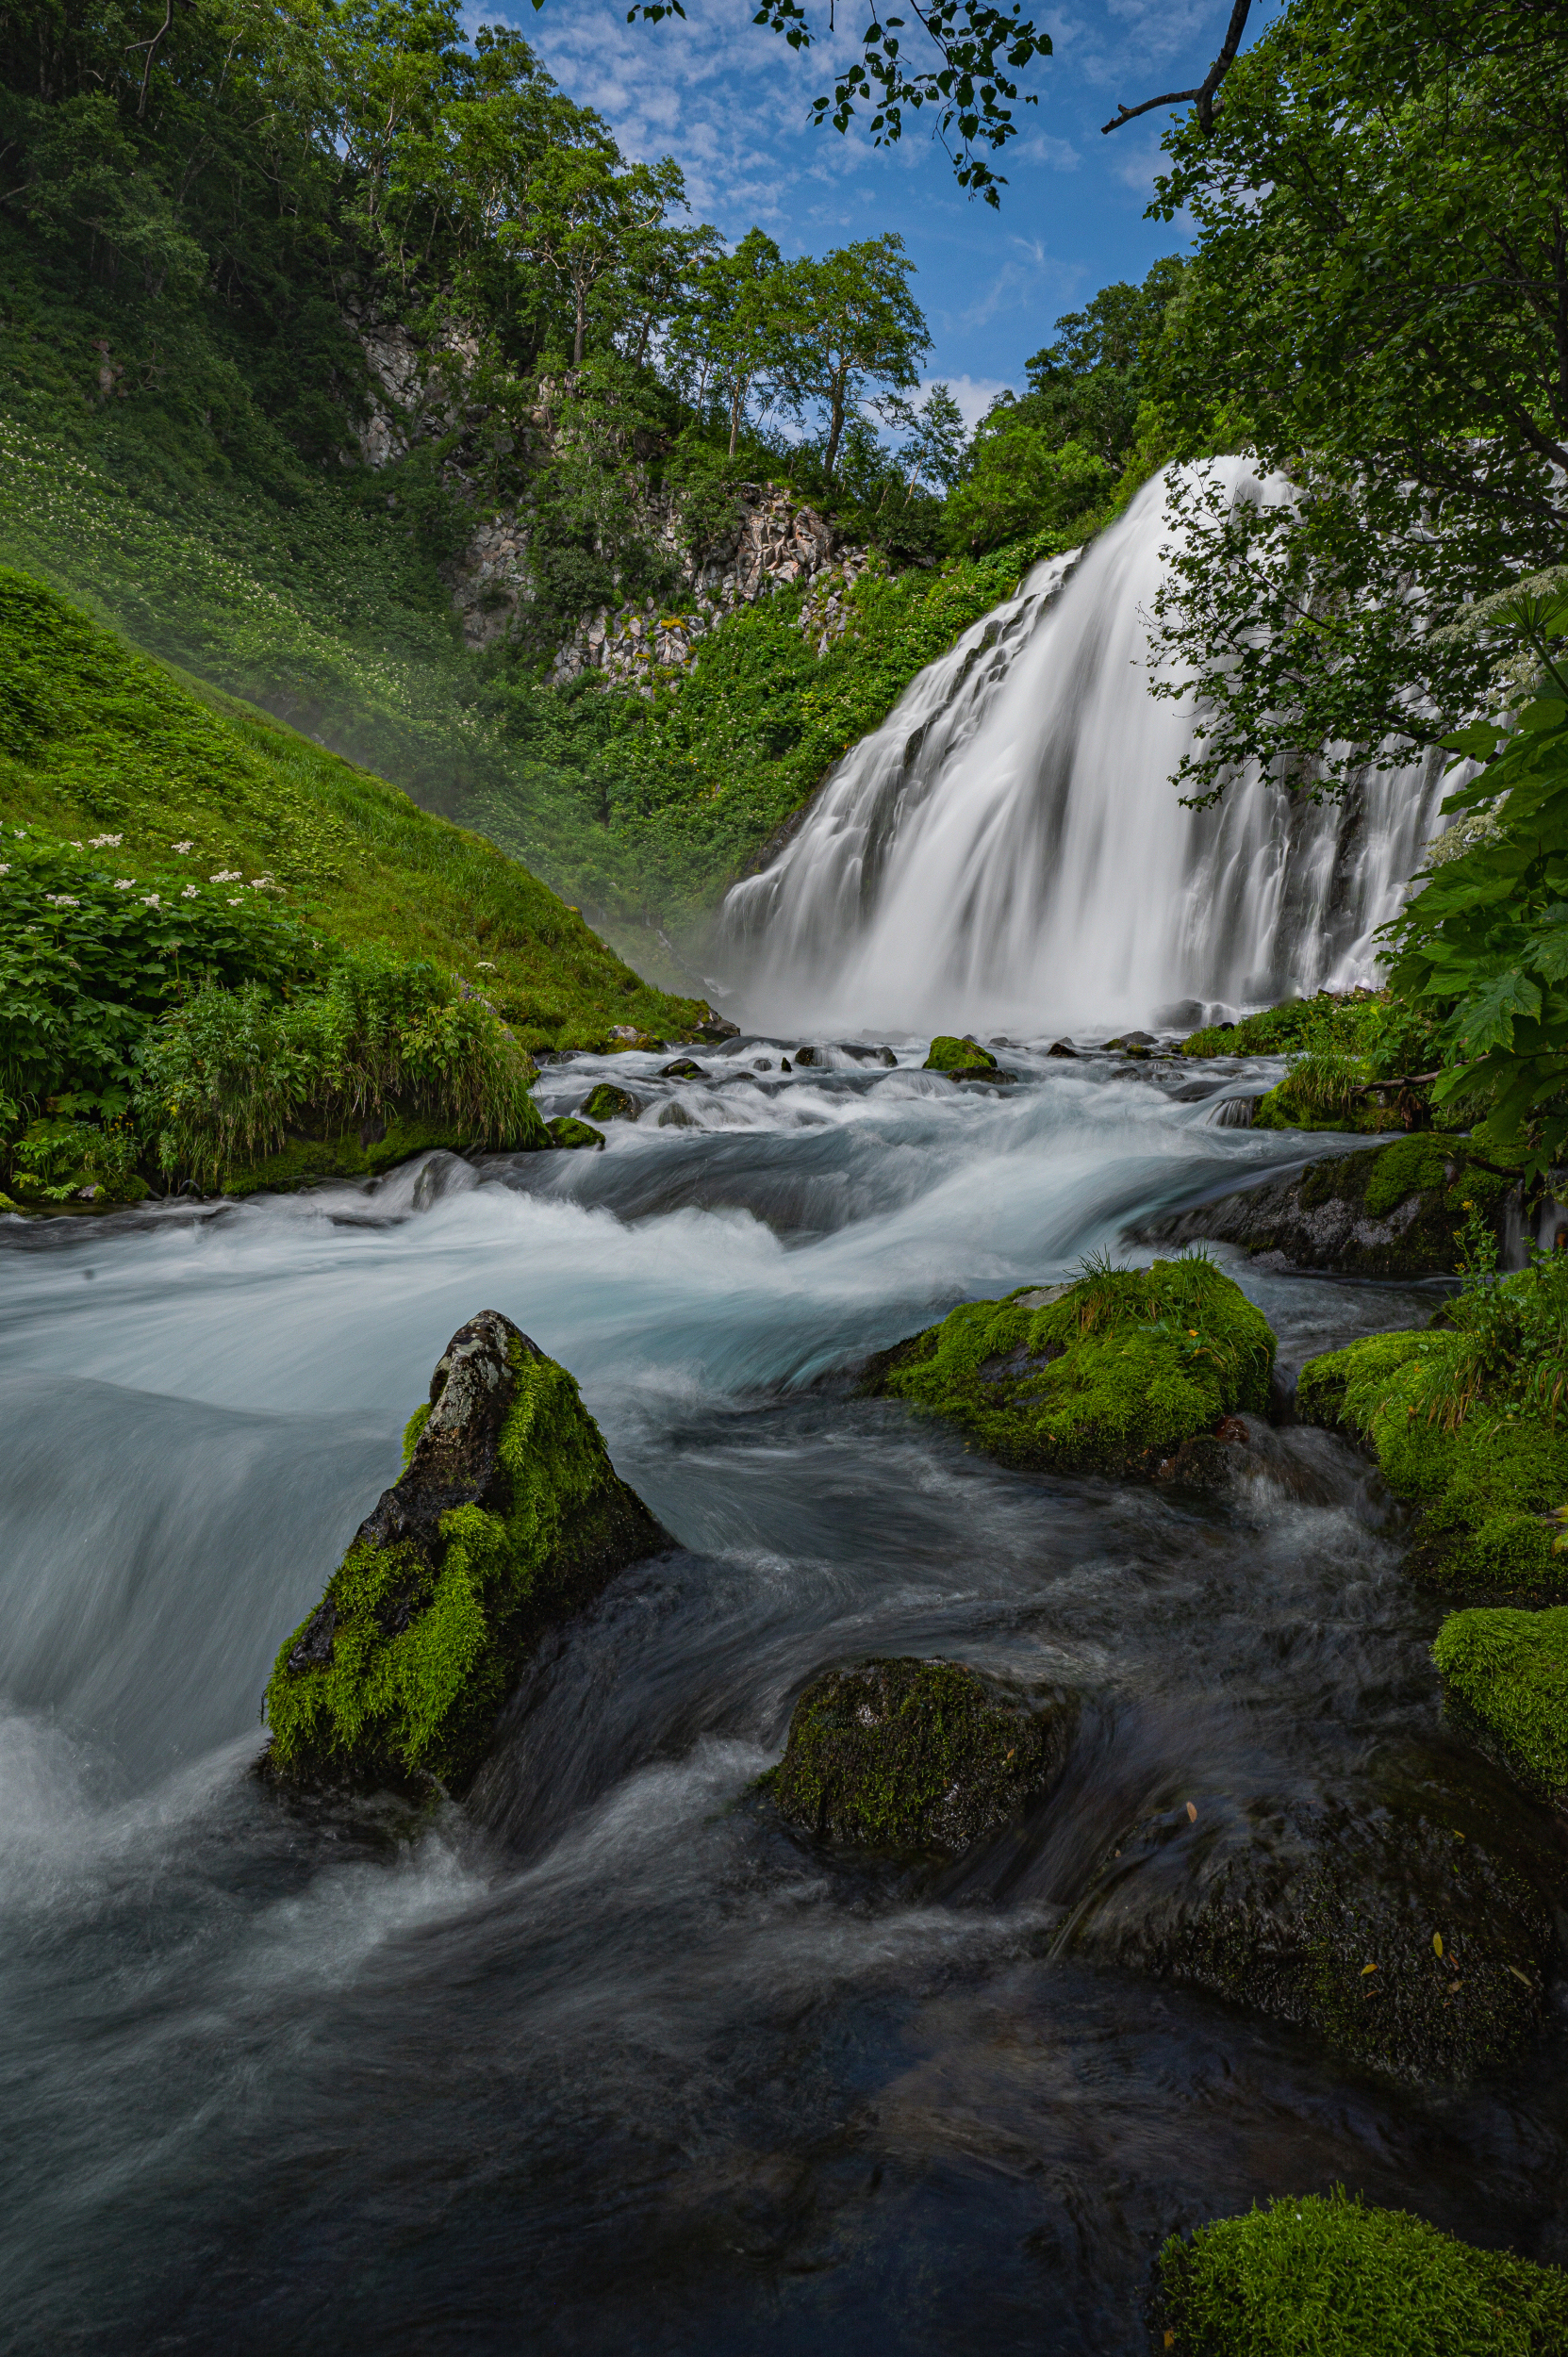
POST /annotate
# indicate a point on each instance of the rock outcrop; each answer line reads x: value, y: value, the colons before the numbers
x: 908, y: 1755
x: 508, y: 1515
x: 1388, y: 1210
x: 1110, y: 1375
x: 962, y: 1060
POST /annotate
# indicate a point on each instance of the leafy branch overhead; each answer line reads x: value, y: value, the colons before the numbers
x: 964, y: 74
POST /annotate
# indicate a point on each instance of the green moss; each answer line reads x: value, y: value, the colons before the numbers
x: 1483, y: 1484
x: 1279, y: 1109
x: 424, y: 1649
x: 1314, y: 2276
x: 412, y: 1429
x: 309, y: 1161
x: 1508, y: 1674
x: 913, y: 1755
x: 1110, y: 1375
x: 608, y: 1103
x: 568, y: 1132
x: 958, y: 1055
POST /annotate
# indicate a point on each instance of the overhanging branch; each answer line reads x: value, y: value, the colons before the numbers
x: 1204, y: 94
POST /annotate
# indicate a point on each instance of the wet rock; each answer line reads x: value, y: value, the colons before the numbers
x: 1112, y: 1373
x: 1060, y: 1047
x: 715, y: 1027
x: 608, y: 1103
x: 675, y: 1117
x: 566, y: 1130
x: 1389, y: 1211
x: 681, y: 1069
x: 960, y: 1059
x: 863, y: 1054
x: 808, y: 1056
x: 1412, y: 1931
x: 908, y: 1755
x: 508, y: 1515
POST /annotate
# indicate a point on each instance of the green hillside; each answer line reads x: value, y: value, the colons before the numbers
x: 175, y: 859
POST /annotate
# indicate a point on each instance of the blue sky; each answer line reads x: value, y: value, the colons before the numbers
x: 728, y: 100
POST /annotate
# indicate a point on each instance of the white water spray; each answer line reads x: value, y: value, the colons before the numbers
x: 1007, y: 852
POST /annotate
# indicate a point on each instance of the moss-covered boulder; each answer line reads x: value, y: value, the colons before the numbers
x: 566, y: 1130
x: 1488, y: 1485
x: 1110, y: 1375
x: 960, y: 1059
x: 508, y: 1513
x: 608, y: 1103
x: 1408, y: 1927
x: 1323, y: 2276
x: 1389, y: 1211
x: 1505, y: 1675
x: 908, y: 1755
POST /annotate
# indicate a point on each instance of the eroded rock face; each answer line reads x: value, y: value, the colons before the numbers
x: 1389, y: 1211
x: 508, y: 1515
x: 908, y: 1755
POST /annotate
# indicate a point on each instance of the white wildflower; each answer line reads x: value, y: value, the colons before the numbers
x: 225, y: 875
x: 123, y: 883
x: 235, y: 899
x: 78, y: 847
x: 104, y: 842
x: 188, y: 892
x: 4, y: 867
x: 150, y: 901
x: 179, y: 846
x: 62, y: 901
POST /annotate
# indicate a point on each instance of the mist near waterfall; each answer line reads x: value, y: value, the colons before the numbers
x: 1008, y: 850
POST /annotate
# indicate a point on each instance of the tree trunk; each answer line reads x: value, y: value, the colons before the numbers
x: 580, y: 337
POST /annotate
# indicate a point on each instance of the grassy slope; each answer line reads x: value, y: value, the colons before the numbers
x: 97, y: 739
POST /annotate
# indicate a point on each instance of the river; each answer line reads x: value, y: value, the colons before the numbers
x: 607, y: 2059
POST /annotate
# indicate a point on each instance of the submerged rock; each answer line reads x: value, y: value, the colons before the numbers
x: 960, y: 1059
x: 1389, y: 1211
x: 608, y: 1103
x: 508, y: 1513
x: 1413, y: 1934
x: 1110, y: 1374
x: 566, y: 1130
x: 907, y: 1755
x: 1487, y: 1486
x: 1505, y: 1675
x: 1322, y: 2272
x: 681, y: 1069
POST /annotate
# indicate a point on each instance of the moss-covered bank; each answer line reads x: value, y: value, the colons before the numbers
x: 1314, y: 2276
x: 1505, y: 1676
x: 1110, y: 1374
x: 508, y: 1511
x: 1391, y: 1211
x: 908, y: 1755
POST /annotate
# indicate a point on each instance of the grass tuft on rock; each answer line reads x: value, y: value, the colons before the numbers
x: 1325, y: 2276
x: 1110, y: 1374
x: 1505, y: 1675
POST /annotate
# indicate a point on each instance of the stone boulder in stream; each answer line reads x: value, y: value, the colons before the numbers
x: 508, y: 1514
x: 1110, y: 1375
x: 907, y: 1755
x: 1389, y: 1211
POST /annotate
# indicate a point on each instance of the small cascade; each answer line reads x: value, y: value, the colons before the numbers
x: 1007, y: 852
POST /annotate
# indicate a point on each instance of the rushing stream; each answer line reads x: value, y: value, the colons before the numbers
x: 607, y: 2060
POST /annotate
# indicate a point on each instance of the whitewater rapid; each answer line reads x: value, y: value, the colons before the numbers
x: 1008, y: 851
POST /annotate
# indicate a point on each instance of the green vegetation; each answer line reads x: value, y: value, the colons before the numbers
x: 1352, y: 1057
x: 1505, y: 1675
x: 913, y: 1755
x: 214, y: 935
x: 1467, y: 1421
x: 1110, y: 1374
x: 402, y: 1668
x: 605, y: 1102
x: 1314, y: 2276
x: 568, y: 1132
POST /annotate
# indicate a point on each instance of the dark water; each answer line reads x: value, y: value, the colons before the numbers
x: 607, y: 2060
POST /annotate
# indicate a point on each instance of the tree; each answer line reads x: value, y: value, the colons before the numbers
x: 1018, y: 484
x: 850, y: 324
x: 1381, y: 295
x: 934, y: 451
x: 1089, y: 383
x: 581, y: 216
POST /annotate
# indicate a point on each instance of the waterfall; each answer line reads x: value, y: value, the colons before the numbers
x: 1007, y: 852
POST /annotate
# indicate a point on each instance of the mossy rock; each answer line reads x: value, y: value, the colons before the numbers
x: 960, y: 1059
x: 1324, y: 2276
x: 508, y: 1514
x: 608, y: 1103
x: 1276, y: 1109
x: 1505, y: 1675
x: 1388, y: 1210
x: 1487, y: 1489
x: 305, y: 1162
x: 906, y: 1754
x: 566, y: 1130
x: 1110, y: 1374
x: 1412, y: 1931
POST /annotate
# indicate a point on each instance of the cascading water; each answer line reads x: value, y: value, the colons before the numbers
x: 1008, y: 851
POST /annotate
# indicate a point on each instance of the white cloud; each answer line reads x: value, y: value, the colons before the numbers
x: 973, y: 394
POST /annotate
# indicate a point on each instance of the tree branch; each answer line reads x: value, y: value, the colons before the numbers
x: 1204, y: 94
